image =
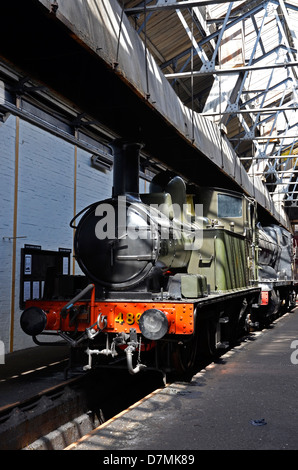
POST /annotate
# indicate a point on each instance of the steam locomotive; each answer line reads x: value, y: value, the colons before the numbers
x: 169, y: 276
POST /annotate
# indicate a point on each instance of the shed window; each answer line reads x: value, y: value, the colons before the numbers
x: 229, y: 206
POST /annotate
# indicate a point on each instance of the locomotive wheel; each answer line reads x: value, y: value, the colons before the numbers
x: 184, y: 356
x: 206, y: 342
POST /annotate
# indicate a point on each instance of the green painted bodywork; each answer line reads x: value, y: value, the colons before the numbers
x: 227, y: 257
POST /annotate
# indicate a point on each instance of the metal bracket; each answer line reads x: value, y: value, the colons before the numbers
x: 208, y: 66
x: 54, y: 7
x: 232, y: 108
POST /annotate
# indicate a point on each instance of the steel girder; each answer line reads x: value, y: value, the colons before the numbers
x: 266, y: 116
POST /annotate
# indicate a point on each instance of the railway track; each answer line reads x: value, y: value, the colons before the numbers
x: 25, y: 421
x: 71, y: 408
x: 86, y: 401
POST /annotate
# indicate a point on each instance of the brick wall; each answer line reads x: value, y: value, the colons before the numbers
x: 45, y: 207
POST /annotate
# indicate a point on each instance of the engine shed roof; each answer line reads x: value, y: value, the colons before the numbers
x: 209, y: 87
x: 234, y: 63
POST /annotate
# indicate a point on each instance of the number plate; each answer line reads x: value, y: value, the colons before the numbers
x: 126, y: 317
x: 122, y: 316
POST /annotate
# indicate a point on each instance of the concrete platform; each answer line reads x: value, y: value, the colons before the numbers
x: 246, y: 401
x: 25, y: 360
x: 30, y: 371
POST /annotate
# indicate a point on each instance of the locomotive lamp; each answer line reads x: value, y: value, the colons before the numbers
x: 153, y: 324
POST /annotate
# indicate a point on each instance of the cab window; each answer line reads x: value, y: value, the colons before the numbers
x: 228, y: 206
